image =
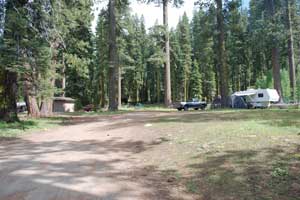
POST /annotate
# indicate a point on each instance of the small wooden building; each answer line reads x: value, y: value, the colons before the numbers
x: 63, y: 104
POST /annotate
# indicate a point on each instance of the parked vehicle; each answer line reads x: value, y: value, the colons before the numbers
x: 89, y: 108
x: 260, y: 98
x: 193, y: 103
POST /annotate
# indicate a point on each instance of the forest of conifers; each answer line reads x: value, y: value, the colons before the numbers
x: 48, y: 49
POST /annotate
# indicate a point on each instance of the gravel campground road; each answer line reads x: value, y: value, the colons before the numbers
x: 95, y: 158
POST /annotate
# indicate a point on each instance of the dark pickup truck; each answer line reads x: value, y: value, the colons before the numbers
x: 194, y: 104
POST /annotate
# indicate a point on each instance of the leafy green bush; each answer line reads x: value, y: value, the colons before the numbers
x: 78, y: 105
x: 280, y: 172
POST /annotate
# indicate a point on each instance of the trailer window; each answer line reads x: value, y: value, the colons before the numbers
x: 260, y: 95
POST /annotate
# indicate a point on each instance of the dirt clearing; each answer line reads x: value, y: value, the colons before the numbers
x: 157, y: 155
x: 94, y: 158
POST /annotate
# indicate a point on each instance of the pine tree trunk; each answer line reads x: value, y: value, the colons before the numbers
x: 275, y: 55
x: 63, y: 82
x: 221, y: 54
x: 113, y: 58
x: 168, y: 100
x: 102, y: 78
x: 30, y: 92
x: 292, y: 69
x: 119, y: 88
x: 185, y: 88
x: 157, y: 86
x: 217, y: 81
x: 46, y: 108
x: 32, y: 106
x: 276, y: 71
x: 149, y: 99
x: 30, y: 98
x: 137, y: 94
x: 8, y: 101
x: 47, y: 103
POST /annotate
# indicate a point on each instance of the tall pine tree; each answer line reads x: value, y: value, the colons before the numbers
x: 184, y: 71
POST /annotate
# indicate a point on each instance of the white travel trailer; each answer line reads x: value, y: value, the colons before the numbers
x: 260, y: 98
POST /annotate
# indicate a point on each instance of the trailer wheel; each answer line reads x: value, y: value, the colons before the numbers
x: 179, y: 109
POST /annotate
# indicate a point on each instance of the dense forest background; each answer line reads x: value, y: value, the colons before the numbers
x: 48, y: 49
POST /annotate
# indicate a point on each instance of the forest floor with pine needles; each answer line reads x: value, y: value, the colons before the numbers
x: 209, y: 155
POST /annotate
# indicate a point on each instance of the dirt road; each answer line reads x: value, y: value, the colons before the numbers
x: 94, y: 158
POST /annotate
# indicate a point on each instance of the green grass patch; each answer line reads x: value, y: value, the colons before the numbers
x: 11, y: 130
x: 234, y: 154
x: 192, y: 186
x: 148, y: 107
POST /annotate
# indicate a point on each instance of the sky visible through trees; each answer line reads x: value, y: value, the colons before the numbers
x: 152, y: 12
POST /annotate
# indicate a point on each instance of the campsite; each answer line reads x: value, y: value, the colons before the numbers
x: 149, y: 99
x: 261, y: 98
x: 233, y: 154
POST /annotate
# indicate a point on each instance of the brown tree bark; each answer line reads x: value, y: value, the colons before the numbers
x: 102, y: 89
x: 168, y: 95
x: 8, y: 97
x: 30, y: 98
x: 47, y: 102
x: 158, y: 88
x: 46, y: 107
x: 113, y: 58
x: 276, y: 71
x: 275, y: 55
x: 292, y: 68
x: 119, y: 88
x: 63, y: 81
x: 32, y: 106
x: 223, y: 68
x: 30, y: 92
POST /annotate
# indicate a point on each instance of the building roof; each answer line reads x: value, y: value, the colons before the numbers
x: 245, y: 93
x: 65, y: 99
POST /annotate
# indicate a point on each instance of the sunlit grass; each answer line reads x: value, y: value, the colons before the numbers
x: 233, y: 154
